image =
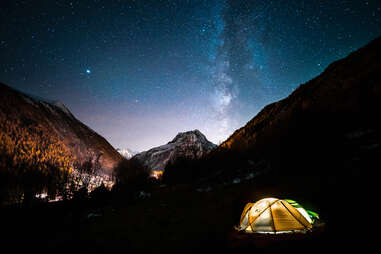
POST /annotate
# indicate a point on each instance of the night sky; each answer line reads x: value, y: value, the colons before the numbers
x: 139, y: 72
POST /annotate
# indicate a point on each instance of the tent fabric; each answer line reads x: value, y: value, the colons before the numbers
x: 271, y: 215
x: 304, y: 212
x: 245, y: 209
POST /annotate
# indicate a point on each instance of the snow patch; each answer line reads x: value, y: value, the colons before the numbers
x: 127, y: 153
x: 61, y: 106
x: 48, y: 106
x: 28, y: 100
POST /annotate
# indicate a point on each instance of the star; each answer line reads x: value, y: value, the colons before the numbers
x: 214, y: 67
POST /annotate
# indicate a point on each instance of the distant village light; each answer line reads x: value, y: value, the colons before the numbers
x: 157, y: 174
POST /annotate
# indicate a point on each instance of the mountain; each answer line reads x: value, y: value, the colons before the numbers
x: 33, y: 129
x: 326, y: 128
x: 191, y: 144
x: 324, y: 138
x: 344, y: 99
x: 320, y: 145
x: 127, y: 153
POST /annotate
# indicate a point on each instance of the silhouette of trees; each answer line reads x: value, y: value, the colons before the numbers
x: 183, y: 170
x: 130, y: 177
x: 131, y: 172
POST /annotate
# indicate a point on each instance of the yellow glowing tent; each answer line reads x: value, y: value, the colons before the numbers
x: 271, y: 215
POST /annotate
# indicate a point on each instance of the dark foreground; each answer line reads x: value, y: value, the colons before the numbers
x: 180, y: 220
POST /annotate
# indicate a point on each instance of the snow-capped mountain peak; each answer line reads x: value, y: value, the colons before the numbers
x: 127, y: 153
x: 190, y: 144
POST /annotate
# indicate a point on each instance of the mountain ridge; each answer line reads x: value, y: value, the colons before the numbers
x: 56, y: 119
x: 190, y: 144
x: 299, y: 95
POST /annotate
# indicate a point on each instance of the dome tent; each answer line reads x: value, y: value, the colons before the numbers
x: 271, y: 215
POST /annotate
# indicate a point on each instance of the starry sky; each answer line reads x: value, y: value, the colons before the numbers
x: 140, y: 71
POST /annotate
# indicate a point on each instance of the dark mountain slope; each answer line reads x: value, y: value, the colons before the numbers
x: 348, y: 89
x: 321, y: 127
x: 43, y: 120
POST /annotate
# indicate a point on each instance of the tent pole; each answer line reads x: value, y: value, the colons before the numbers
x: 272, y: 218
x: 305, y: 227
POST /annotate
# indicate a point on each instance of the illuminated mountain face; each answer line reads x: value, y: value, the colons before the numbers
x: 191, y: 144
x: 37, y: 121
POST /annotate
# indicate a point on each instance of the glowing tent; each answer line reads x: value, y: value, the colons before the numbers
x: 271, y: 215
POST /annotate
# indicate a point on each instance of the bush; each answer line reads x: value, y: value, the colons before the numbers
x: 131, y: 176
x: 182, y: 170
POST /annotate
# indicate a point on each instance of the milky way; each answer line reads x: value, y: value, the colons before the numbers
x: 138, y: 72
